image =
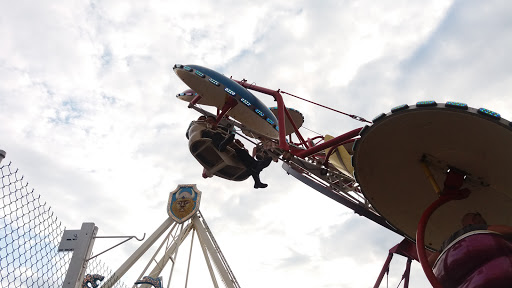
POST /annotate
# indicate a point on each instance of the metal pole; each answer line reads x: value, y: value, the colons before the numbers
x: 189, y: 258
x: 407, y: 273
x: 208, y: 262
x: 81, y: 252
x: 301, y: 139
x: 385, y: 269
x: 431, y: 178
x: 357, y: 208
x: 333, y: 142
x: 174, y: 252
x: 420, y: 238
x: 206, y: 241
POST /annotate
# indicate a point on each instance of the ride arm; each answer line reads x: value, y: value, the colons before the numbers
x: 331, y: 143
x: 280, y: 109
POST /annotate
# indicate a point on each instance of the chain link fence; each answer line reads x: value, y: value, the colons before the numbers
x: 29, y: 237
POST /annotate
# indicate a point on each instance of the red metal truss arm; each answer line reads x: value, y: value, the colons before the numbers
x: 280, y: 110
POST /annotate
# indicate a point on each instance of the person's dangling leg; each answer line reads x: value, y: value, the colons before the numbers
x: 226, y: 142
x: 250, y: 164
x: 262, y: 164
x: 216, y: 137
x: 245, y: 158
x: 257, y: 181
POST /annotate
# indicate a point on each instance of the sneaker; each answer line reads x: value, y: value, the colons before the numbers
x: 260, y: 185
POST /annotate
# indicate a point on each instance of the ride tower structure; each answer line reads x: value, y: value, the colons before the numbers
x: 184, y: 219
x: 184, y: 223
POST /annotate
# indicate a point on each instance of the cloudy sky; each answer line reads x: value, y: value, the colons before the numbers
x: 88, y: 112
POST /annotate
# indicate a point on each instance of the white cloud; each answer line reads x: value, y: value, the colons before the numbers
x: 89, y: 114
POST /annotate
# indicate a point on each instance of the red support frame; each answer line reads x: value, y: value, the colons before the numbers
x: 331, y: 143
x: 194, y: 101
x: 230, y: 103
x: 420, y: 239
x: 301, y: 139
x: 451, y: 191
x: 281, y: 112
x: 407, y: 273
x: 385, y: 269
x: 405, y: 248
x: 310, y: 140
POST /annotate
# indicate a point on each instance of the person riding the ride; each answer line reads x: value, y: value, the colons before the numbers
x: 217, y: 133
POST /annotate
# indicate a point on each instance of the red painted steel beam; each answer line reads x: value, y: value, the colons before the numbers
x: 406, y: 248
x: 328, y: 144
x: 385, y: 269
x: 407, y: 273
x: 420, y: 239
x: 301, y: 139
x: 194, y: 101
x: 451, y: 191
x: 228, y: 105
x: 280, y: 110
x: 422, y: 225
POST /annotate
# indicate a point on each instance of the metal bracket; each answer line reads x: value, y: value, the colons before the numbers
x: 126, y: 240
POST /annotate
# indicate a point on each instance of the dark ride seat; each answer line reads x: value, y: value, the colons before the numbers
x: 479, y: 258
x: 222, y: 164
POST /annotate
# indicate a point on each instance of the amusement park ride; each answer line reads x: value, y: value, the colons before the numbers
x: 388, y: 171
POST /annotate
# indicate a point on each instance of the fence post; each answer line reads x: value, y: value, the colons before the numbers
x: 80, y: 242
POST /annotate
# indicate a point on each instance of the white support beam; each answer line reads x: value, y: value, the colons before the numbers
x: 138, y: 253
x: 82, y: 251
x: 189, y: 258
x: 208, y: 263
x: 158, y: 250
x: 169, y: 252
x: 206, y: 241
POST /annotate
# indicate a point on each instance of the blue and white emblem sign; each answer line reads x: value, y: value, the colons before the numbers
x: 183, y: 202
